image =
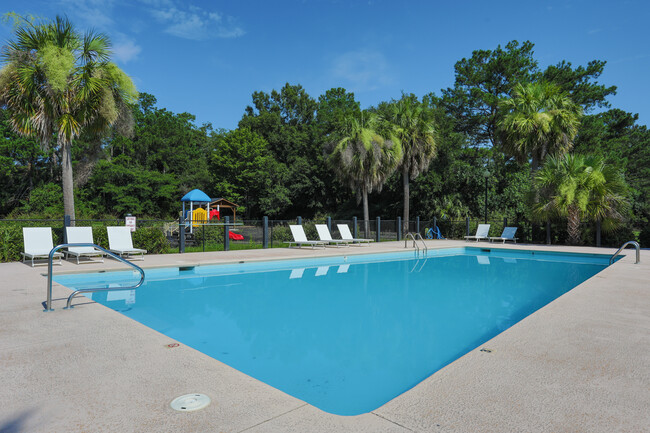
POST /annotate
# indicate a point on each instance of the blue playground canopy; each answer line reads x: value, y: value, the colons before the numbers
x: 196, y: 195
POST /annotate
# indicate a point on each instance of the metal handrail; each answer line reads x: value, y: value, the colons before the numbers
x: 406, y: 240
x: 638, y: 251
x: 48, y: 302
x: 413, y: 237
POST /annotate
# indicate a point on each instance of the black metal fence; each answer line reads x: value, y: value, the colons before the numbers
x: 169, y: 236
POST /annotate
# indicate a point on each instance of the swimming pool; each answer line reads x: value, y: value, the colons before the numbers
x: 345, y: 334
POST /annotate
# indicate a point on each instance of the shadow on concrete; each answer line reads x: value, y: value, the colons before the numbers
x: 18, y: 424
x: 63, y: 307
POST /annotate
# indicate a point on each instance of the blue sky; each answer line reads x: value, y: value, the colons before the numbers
x: 208, y: 57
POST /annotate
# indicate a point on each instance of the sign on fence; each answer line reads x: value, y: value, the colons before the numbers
x: 129, y: 221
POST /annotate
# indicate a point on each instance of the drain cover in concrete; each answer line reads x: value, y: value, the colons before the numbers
x: 190, y: 402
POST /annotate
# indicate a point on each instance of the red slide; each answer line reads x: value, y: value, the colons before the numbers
x: 235, y: 236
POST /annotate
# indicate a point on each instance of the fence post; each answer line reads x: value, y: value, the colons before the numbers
x: 329, y: 223
x: 299, y: 221
x: 435, y: 225
x: 466, y: 226
x: 354, y: 227
x: 598, y: 232
x: 181, y: 234
x: 417, y: 224
x: 66, y: 223
x: 265, y: 232
x: 505, y: 222
x: 226, y: 234
x: 399, y: 228
x: 548, y: 232
x: 378, y: 235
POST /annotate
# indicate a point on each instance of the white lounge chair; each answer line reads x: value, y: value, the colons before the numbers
x: 82, y: 235
x: 119, y: 242
x: 300, y: 238
x: 38, y: 244
x: 347, y: 236
x: 324, y: 235
x: 507, y: 235
x: 482, y: 232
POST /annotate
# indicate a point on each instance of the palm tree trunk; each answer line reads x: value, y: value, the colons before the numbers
x: 573, y: 226
x: 534, y: 164
x: 405, y: 184
x: 366, y: 212
x: 66, y: 175
x: 30, y: 172
x: 542, y: 153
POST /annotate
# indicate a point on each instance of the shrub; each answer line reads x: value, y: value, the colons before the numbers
x: 644, y: 237
x: 11, y: 242
x: 212, y: 234
x: 100, y: 235
x: 281, y: 234
x: 152, y: 239
x: 310, y: 231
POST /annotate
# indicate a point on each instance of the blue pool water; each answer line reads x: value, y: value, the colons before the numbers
x: 345, y: 334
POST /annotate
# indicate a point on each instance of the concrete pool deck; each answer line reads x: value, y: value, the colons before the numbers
x: 581, y: 363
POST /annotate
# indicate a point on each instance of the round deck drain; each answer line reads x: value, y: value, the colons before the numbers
x: 190, y: 402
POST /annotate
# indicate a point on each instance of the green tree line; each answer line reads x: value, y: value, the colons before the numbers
x: 294, y: 154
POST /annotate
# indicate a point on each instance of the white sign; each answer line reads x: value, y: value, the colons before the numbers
x: 130, y: 222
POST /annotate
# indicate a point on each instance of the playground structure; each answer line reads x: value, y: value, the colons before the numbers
x: 198, y: 216
x: 222, y: 203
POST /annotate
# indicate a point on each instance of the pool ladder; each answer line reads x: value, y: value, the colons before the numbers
x: 638, y: 251
x: 48, y: 302
x: 414, y: 237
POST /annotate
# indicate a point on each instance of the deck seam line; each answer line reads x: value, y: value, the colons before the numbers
x: 391, y: 421
x: 275, y: 417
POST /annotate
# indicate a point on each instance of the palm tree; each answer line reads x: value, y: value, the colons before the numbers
x: 413, y: 126
x: 580, y: 188
x: 538, y: 120
x: 58, y: 81
x: 363, y: 158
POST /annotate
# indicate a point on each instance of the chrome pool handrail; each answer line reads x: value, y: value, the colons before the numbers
x: 638, y: 251
x: 48, y: 302
x: 415, y: 245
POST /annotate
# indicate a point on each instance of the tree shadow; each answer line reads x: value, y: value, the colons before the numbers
x: 18, y: 424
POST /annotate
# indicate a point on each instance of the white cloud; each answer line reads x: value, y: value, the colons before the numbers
x: 364, y: 70
x: 126, y: 50
x: 98, y: 15
x: 193, y: 22
x: 90, y: 13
